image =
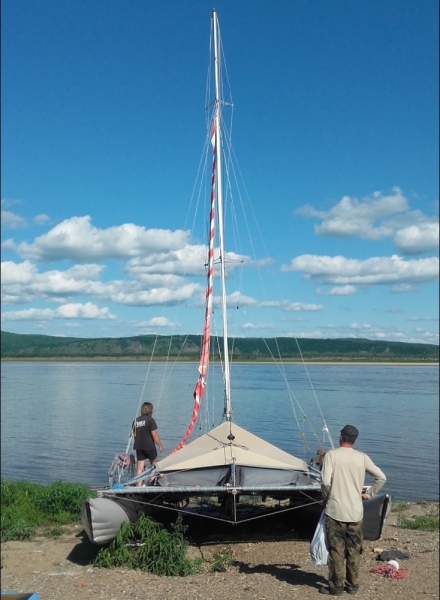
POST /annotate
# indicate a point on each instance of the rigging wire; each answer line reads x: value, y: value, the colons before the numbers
x: 232, y: 172
x: 232, y: 168
x: 325, y: 428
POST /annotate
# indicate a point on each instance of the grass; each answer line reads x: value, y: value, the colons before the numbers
x: 54, y: 532
x: 149, y: 546
x: 399, y: 507
x: 220, y: 563
x: 427, y: 522
x: 27, y: 507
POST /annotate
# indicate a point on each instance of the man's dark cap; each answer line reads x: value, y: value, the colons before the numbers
x: 349, y: 433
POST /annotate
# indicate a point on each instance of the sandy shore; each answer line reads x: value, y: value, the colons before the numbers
x: 272, y: 563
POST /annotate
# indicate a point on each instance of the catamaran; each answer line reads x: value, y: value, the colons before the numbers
x: 227, y: 464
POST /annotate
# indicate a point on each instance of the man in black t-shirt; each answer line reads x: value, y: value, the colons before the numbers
x: 145, y: 438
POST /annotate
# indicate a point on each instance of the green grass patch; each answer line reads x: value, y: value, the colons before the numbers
x: 220, y: 562
x: 149, y: 546
x: 27, y: 506
x: 424, y: 522
x: 53, y: 532
x: 399, y: 507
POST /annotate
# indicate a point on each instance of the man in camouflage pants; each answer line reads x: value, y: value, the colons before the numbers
x: 343, y: 477
x: 345, y: 542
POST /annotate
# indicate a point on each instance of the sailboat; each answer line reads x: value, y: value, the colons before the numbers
x: 228, y: 463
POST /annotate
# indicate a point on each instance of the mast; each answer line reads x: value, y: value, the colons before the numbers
x: 217, y: 119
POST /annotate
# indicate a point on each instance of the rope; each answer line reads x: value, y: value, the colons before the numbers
x: 390, y: 571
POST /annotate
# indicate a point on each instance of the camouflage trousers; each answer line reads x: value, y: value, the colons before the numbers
x: 345, y: 545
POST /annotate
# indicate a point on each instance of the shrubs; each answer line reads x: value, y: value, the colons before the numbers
x: 220, y: 563
x: 149, y: 546
x: 425, y: 523
x: 60, y: 499
x: 146, y: 545
x: 26, y: 506
x: 399, y: 507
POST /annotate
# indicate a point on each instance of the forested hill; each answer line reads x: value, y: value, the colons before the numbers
x: 15, y: 345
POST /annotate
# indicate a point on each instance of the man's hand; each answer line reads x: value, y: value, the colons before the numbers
x: 365, y: 496
x: 160, y: 448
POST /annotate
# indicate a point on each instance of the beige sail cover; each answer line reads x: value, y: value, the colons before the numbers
x: 214, y: 449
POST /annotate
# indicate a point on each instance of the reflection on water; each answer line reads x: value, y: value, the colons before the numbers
x: 67, y: 421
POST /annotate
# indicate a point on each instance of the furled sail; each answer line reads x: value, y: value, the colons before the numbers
x: 204, y: 355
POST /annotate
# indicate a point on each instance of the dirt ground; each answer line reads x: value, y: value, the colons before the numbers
x: 269, y: 562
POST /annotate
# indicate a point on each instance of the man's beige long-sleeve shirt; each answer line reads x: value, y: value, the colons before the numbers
x: 343, y: 477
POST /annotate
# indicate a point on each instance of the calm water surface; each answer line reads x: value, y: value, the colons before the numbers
x: 67, y: 421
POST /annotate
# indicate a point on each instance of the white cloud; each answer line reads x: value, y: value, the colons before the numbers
x: 301, y: 307
x: 22, y: 283
x: 238, y: 299
x: 6, y: 202
x: 293, y: 319
x: 317, y: 334
x: 82, y: 311
x: 416, y: 318
x: 156, y: 322
x: 11, y: 220
x: 418, y: 238
x: 257, y: 326
x: 66, y: 311
x: 76, y: 239
x: 270, y: 304
x: 366, y: 330
x: 338, y: 270
x: 187, y: 261
x: 392, y: 334
x: 352, y: 217
x: 404, y: 288
x: 430, y: 337
x: 154, y: 296
x: 155, y: 280
x: 377, y: 217
x: 41, y: 219
x: 343, y: 290
x: 23, y: 273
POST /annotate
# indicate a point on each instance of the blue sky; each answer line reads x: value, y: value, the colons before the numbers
x: 335, y: 129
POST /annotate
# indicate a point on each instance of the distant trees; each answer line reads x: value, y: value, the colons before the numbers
x: 15, y: 345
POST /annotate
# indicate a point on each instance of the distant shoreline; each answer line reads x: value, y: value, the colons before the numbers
x: 126, y: 359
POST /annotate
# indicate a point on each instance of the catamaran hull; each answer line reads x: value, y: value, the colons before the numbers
x: 102, y: 517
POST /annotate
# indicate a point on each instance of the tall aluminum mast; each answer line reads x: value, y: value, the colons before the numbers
x: 217, y: 117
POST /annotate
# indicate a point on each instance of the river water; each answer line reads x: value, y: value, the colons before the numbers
x: 68, y: 420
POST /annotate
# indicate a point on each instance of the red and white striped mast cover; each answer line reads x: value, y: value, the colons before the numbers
x: 204, y: 355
